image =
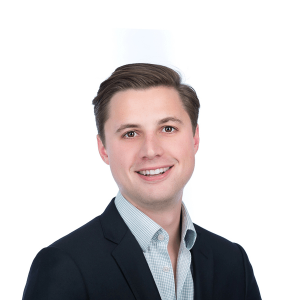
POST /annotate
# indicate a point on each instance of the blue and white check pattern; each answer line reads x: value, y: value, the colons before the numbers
x: 153, y: 240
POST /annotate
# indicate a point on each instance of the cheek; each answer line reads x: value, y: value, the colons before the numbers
x: 183, y: 148
x: 121, y: 159
x: 186, y: 156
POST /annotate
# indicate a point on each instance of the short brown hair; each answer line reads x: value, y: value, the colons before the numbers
x: 141, y: 76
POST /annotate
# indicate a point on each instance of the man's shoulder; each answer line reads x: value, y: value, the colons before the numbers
x: 85, y: 234
x: 220, y: 246
x: 210, y: 237
x: 230, y: 264
x: 90, y: 234
x: 82, y: 247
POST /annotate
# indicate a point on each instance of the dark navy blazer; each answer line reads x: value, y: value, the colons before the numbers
x: 103, y: 261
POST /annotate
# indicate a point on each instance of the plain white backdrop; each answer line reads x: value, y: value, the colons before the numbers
x: 243, y: 60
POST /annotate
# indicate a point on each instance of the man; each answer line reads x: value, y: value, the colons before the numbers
x: 144, y: 245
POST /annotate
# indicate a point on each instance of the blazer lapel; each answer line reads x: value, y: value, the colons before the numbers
x: 129, y: 255
x: 133, y: 264
x: 202, y: 262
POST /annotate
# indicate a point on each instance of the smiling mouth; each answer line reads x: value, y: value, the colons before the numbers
x: 154, y: 172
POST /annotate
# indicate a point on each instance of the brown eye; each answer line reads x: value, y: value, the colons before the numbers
x: 169, y: 129
x: 129, y: 134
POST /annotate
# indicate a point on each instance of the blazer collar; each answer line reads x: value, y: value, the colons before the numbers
x: 128, y: 255
x: 202, y: 266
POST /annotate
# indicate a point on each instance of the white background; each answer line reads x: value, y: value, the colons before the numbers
x: 243, y: 60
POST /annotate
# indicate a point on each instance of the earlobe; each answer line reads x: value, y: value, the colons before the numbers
x: 102, y: 150
x: 196, y: 139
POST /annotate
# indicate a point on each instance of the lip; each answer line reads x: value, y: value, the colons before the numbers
x: 155, y: 178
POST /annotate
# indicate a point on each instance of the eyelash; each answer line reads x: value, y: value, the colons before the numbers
x: 124, y: 135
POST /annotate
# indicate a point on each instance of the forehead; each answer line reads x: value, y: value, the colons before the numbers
x: 153, y: 102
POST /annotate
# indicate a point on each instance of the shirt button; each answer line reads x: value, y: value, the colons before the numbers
x: 166, y: 269
x: 161, y: 237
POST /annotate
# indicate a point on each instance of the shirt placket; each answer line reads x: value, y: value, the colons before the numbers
x: 164, y: 276
x: 183, y: 270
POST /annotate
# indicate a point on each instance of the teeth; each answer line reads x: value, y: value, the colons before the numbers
x: 154, y: 172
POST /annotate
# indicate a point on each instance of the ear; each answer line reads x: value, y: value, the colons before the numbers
x: 196, y: 139
x: 102, y: 150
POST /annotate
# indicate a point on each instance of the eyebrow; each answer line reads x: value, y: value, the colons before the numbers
x: 168, y: 119
x: 160, y: 122
x: 124, y: 126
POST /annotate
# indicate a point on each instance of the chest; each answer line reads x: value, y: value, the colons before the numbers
x: 171, y: 271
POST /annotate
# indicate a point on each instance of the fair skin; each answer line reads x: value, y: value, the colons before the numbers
x: 149, y: 130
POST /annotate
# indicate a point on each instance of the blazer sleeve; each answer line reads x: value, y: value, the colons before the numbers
x: 251, y: 287
x: 54, y: 276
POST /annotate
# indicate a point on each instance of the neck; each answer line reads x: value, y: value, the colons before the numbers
x: 168, y: 218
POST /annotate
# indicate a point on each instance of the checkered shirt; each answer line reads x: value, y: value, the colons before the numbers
x: 153, y: 240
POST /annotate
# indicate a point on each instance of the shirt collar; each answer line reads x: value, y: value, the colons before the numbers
x: 144, y: 228
x: 141, y: 226
x: 188, y: 232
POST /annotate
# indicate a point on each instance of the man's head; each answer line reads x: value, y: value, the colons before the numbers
x: 150, y: 138
x: 139, y: 77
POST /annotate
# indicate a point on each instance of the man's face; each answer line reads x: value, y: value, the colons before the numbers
x: 148, y: 131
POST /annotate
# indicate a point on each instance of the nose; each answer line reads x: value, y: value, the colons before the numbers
x: 151, y: 147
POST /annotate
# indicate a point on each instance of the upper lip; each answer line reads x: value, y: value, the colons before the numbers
x: 154, y: 168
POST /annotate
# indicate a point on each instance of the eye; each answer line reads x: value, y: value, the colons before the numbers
x: 129, y: 134
x: 168, y: 129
